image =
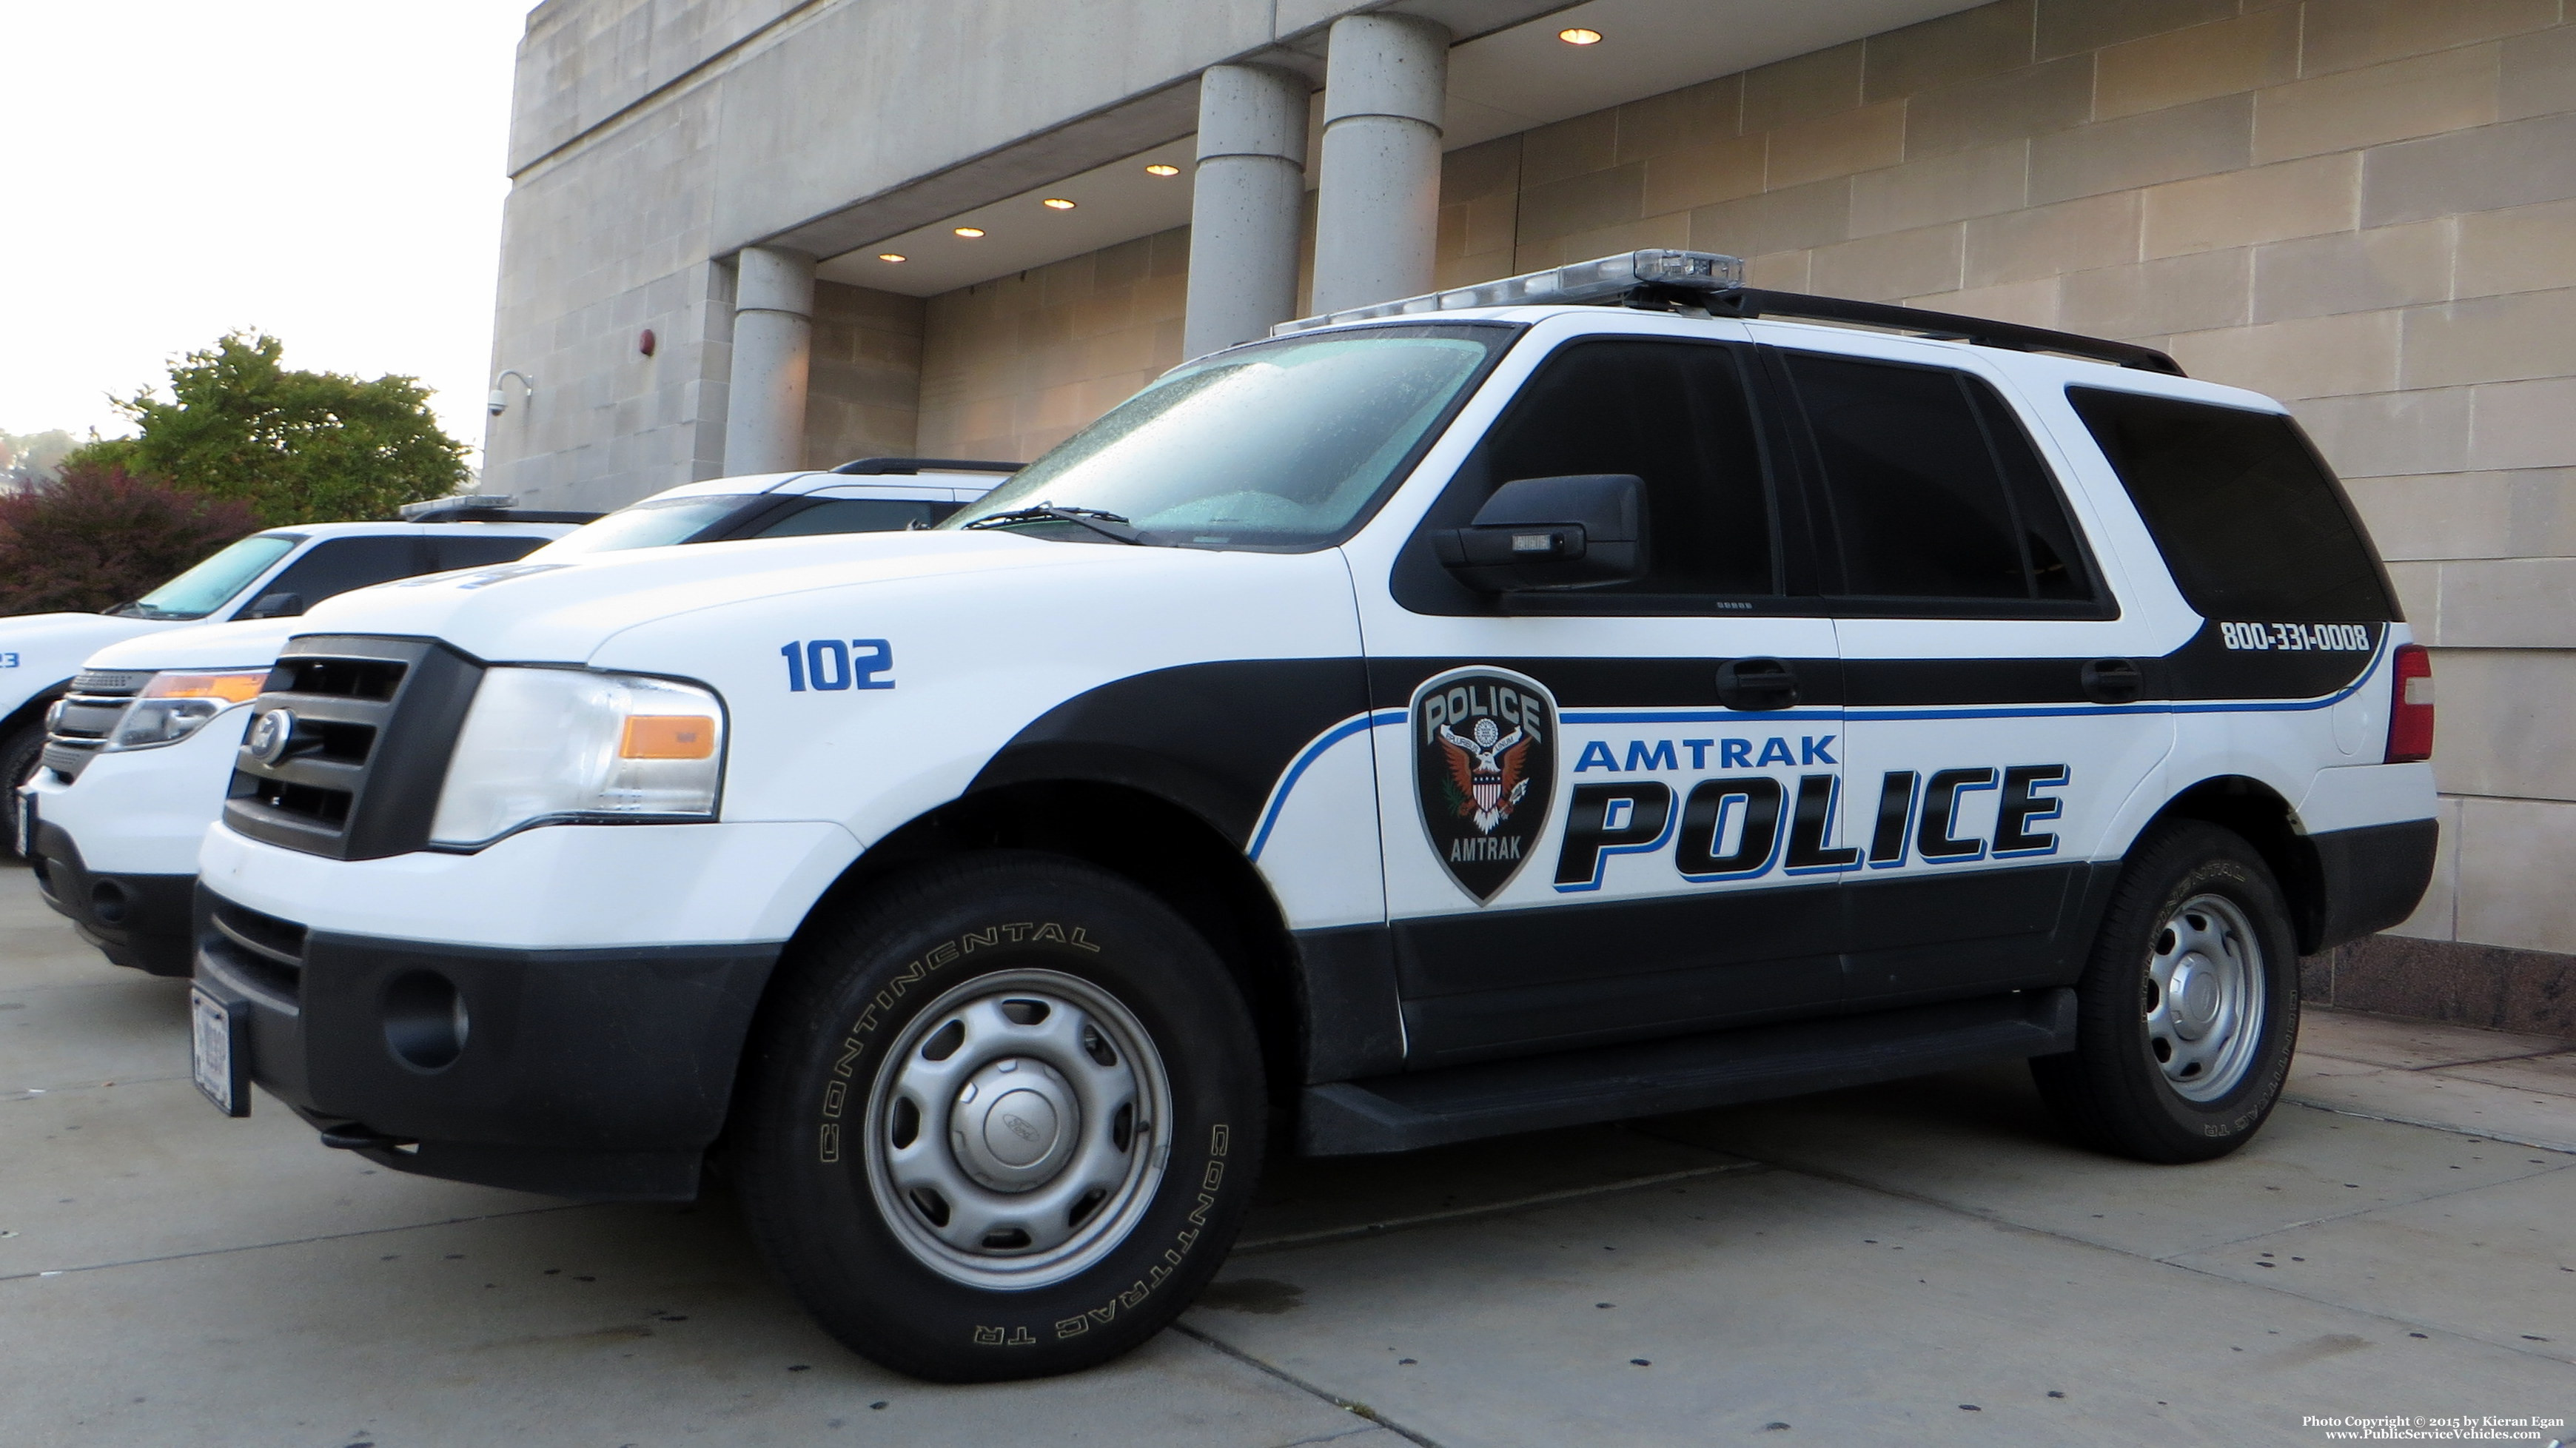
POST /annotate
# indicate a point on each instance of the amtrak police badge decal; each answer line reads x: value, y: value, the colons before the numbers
x: 1484, y: 771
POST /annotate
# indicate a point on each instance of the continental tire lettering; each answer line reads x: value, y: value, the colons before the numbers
x: 830, y: 1148
x: 943, y: 955
x: 834, y: 1095
x: 1156, y: 1275
x: 1004, y: 1337
x: 850, y: 1050
x: 1217, y: 1140
x: 974, y: 938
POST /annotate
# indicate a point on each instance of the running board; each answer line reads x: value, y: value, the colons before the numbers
x: 1611, y: 1083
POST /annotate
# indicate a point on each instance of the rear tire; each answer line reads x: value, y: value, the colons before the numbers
x: 1002, y: 1119
x: 2189, y: 1010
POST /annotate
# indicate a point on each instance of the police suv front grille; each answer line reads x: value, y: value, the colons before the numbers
x: 370, y: 723
x: 88, y: 713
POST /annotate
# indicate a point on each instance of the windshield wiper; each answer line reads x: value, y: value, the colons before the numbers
x: 1107, y: 525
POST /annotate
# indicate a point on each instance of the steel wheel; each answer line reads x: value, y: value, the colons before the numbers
x: 2205, y: 997
x: 1016, y: 1131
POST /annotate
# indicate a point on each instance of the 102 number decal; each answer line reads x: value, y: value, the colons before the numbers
x: 828, y: 665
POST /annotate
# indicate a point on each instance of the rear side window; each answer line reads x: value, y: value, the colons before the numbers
x: 855, y: 515
x: 336, y: 565
x: 471, y: 551
x: 1931, y: 487
x: 2249, y: 520
x: 1675, y: 414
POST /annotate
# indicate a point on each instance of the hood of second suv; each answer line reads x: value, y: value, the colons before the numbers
x: 539, y: 611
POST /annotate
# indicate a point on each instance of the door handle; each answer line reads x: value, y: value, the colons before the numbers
x: 1756, y: 685
x: 2112, y: 681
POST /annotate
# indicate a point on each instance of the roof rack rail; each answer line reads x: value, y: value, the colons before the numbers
x: 867, y: 467
x: 1751, y: 302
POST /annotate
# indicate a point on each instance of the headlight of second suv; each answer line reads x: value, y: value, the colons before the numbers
x: 178, y: 702
x: 579, y: 745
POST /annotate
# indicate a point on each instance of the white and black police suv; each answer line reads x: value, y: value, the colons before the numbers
x: 1468, y: 715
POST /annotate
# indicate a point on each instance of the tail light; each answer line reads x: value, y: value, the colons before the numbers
x: 2410, y: 706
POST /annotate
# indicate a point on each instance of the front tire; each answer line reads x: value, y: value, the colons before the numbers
x: 21, y: 750
x: 2189, y: 1010
x: 1003, y: 1119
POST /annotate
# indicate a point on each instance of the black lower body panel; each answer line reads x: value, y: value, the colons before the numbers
x: 1609, y: 1083
x: 2368, y: 879
x: 602, y: 1074
x: 140, y: 921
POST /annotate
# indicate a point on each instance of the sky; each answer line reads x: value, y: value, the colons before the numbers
x: 327, y: 171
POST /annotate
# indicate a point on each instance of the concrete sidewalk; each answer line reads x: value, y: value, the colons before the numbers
x: 1923, y: 1262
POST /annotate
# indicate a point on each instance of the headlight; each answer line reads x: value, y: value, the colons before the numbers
x: 178, y: 702
x: 572, y: 744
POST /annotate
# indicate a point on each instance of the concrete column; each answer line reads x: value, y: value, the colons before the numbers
x: 1379, y: 211
x: 773, y: 344
x: 1249, y: 188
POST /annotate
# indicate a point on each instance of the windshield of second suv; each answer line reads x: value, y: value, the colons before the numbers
x: 649, y: 524
x: 208, y: 586
x: 1280, y: 445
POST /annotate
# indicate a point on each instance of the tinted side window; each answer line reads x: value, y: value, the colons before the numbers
x: 855, y: 515
x: 1674, y: 414
x: 471, y: 551
x: 337, y: 565
x: 2248, y: 518
x: 1932, y: 488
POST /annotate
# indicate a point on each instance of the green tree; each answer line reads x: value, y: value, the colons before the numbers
x: 300, y: 447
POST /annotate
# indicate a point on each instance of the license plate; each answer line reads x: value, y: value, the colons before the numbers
x: 22, y: 822
x: 219, y: 1061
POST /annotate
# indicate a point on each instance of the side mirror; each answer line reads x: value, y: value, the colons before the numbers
x: 275, y: 605
x: 1543, y: 533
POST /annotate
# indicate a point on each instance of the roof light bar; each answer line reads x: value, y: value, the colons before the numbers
x: 1606, y: 279
x: 413, y: 512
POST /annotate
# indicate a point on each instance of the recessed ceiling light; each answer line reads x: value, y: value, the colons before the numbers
x: 1160, y: 169
x: 890, y: 256
x: 970, y: 232
x: 1577, y: 35
x: 1056, y: 203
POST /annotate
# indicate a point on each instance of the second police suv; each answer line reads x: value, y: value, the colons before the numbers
x: 1467, y: 715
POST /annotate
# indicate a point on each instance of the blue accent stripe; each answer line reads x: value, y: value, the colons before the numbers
x: 1306, y: 757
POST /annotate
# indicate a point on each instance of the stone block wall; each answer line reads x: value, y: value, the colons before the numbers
x: 1012, y: 366
x: 596, y: 247
x: 863, y: 396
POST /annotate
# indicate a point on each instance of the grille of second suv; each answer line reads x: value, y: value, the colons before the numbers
x: 96, y: 700
x: 374, y: 719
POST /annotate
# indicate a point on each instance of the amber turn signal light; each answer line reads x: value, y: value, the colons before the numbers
x: 668, y: 736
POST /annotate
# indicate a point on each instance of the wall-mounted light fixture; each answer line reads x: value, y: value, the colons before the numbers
x: 499, y: 401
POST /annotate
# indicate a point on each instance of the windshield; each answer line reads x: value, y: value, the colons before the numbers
x: 208, y: 586
x: 1282, y: 445
x: 649, y: 524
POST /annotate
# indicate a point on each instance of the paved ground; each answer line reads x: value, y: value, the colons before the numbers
x: 1917, y: 1263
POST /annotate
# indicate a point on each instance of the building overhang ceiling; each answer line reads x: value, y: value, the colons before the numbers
x: 1501, y: 80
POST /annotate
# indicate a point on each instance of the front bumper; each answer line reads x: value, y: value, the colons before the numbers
x: 594, y: 1073
x: 140, y: 921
